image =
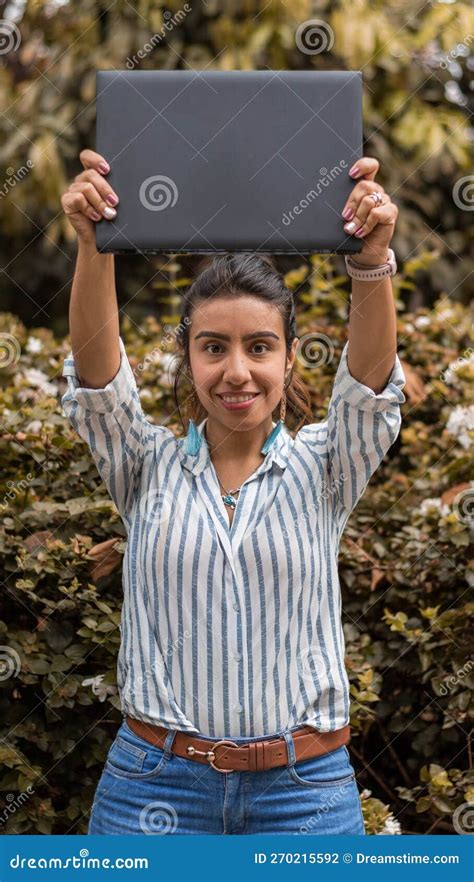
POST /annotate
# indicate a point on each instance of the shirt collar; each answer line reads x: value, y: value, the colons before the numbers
x: 197, y: 462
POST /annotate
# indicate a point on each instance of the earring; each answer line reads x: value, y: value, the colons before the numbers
x: 277, y: 429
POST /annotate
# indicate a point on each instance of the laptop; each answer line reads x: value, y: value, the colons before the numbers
x: 215, y: 161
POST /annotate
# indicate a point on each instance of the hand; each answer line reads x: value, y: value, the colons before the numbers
x: 377, y: 221
x: 89, y: 196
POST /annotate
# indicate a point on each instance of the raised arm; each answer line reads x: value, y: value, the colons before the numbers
x: 93, y: 312
x: 102, y: 400
x: 364, y: 416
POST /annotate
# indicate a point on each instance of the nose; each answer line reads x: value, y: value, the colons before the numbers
x: 236, y: 370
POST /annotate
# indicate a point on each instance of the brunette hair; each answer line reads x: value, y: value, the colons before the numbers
x: 233, y: 275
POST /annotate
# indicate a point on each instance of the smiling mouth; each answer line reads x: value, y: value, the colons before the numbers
x: 237, y: 396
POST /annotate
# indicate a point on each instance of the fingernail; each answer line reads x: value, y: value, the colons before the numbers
x: 359, y: 232
x: 347, y: 214
x: 349, y: 228
x: 104, y: 167
x: 96, y: 216
x: 109, y: 213
x: 111, y: 199
x: 354, y: 171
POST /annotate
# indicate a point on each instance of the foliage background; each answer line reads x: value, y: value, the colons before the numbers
x: 404, y: 564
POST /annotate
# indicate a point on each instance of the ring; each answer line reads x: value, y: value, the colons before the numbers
x: 377, y: 198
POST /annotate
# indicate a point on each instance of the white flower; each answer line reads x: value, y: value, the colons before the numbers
x: 34, y: 344
x: 38, y: 379
x: 432, y: 506
x: 34, y: 427
x: 422, y: 321
x: 460, y: 423
x: 391, y: 827
x: 445, y: 314
x: 102, y: 690
x: 145, y: 393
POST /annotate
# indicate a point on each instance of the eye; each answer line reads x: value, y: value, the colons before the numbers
x: 266, y: 348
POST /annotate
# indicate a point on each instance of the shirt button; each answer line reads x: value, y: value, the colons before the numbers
x: 238, y: 656
x: 238, y: 708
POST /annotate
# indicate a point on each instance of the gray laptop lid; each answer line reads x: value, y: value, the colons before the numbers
x: 209, y: 161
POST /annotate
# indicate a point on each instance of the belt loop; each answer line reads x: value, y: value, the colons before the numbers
x: 168, y: 742
x: 290, y: 748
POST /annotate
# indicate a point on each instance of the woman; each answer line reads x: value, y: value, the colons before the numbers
x: 231, y: 667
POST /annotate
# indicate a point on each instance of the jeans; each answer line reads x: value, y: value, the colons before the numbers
x: 148, y: 789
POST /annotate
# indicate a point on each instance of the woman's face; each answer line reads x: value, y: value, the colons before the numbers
x: 238, y: 346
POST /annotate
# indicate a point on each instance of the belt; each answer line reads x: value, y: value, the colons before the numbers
x: 256, y: 756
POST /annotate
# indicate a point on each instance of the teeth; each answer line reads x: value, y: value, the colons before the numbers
x: 235, y: 398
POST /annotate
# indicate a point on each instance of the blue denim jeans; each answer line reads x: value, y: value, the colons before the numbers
x: 148, y: 789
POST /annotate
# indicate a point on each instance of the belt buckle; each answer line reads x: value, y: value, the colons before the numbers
x: 210, y: 754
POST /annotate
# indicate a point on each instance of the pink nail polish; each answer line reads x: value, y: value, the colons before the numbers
x: 111, y: 199
x: 103, y: 167
x: 354, y: 171
x: 359, y: 232
x: 347, y: 214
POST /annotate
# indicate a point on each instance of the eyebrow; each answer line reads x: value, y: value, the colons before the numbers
x: 244, y: 337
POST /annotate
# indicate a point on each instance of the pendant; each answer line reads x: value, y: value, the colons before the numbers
x: 230, y: 500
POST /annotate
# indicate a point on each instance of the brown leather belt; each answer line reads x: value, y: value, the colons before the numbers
x: 256, y: 756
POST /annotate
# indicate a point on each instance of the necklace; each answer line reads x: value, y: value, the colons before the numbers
x: 229, y: 498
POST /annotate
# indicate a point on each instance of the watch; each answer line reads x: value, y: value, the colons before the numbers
x: 368, y: 273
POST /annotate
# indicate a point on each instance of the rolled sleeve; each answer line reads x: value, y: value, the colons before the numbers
x: 362, y: 426
x: 112, y: 423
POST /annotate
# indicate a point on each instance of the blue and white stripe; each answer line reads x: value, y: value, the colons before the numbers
x: 234, y: 630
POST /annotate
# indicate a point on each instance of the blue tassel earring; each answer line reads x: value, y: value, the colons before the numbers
x: 193, y: 440
x: 277, y: 429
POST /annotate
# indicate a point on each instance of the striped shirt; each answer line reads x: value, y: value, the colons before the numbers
x: 234, y: 630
